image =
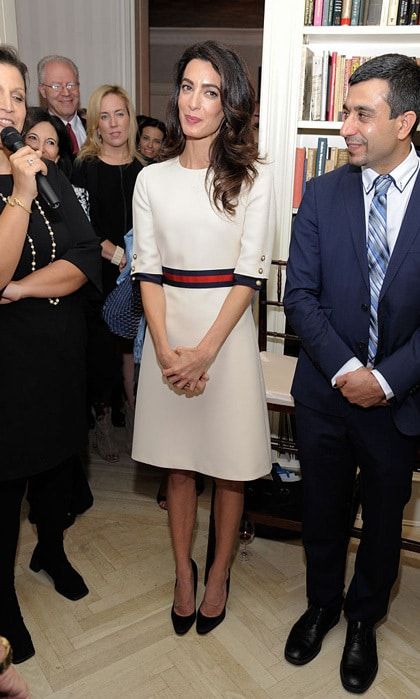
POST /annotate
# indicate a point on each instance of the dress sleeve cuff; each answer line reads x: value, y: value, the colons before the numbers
x: 242, y: 280
x: 142, y: 277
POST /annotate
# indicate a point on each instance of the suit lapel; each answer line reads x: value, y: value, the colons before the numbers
x: 410, y: 229
x: 354, y: 204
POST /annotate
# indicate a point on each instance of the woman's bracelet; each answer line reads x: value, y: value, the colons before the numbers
x: 117, y: 256
x: 14, y: 201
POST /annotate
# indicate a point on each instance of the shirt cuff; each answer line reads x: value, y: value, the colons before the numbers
x: 242, y: 280
x: 143, y: 277
x: 351, y: 365
x: 389, y: 393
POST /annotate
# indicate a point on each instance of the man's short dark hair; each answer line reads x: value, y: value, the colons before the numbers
x: 403, y: 77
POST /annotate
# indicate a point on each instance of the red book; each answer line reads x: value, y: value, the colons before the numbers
x: 331, y: 86
x: 298, y: 177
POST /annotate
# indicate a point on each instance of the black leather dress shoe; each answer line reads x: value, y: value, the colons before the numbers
x: 305, y: 639
x: 67, y: 581
x: 359, y: 663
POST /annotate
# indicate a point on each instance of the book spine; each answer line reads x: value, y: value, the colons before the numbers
x: 364, y: 11
x: 330, y: 13
x: 326, y: 12
x: 321, y: 156
x: 309, y: 12
x: 355, y: 13
x: 316, y: 89
x: 346, y: 13
x: 384, y: 13
x: 324, y: 85
x: 402, y: 16
x: 331, y: 85
x: 347, y: 72
x: 310, y: 163
x: 338, y: 6
x: 414, y: 12
x: 374, y: 14
x: 298, y: 177
x: 392, y: 13
x: 307, y: 88
x: 318, y: 13
x: 339, y: 86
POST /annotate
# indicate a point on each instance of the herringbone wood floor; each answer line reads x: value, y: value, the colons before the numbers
x: 118, y: 641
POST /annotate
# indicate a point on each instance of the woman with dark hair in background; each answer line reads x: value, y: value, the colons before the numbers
x: 203, y: 232
x: 107, y: 167
x: 46, y: 256
x: 150, y: 137
x: 47, y: 133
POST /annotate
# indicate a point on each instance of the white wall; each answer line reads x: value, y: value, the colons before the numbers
x: 97, y: 34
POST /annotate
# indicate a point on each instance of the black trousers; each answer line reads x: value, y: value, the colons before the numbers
x: 330, y: 450
x: 50, y: 498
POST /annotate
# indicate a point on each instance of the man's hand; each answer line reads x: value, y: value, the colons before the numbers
x: 362, y: 388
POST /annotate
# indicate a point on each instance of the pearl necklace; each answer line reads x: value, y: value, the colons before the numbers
x: 55, y: 301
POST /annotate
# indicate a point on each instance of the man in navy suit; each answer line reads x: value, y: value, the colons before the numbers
x: 353, y: 297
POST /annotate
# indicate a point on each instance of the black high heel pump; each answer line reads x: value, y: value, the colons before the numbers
x: 205, y: 624
x: 182, y: 624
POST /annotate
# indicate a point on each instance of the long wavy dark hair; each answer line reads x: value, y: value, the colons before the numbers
x: 233, y: 152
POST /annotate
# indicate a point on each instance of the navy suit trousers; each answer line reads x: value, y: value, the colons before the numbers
x: 331, y: 448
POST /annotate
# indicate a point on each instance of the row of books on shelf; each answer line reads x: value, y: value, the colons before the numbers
x: 324, y: 83
x: 312, y: 162
x: 361, y: 12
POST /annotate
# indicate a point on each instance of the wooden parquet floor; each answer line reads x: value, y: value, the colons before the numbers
x: 118, y: 641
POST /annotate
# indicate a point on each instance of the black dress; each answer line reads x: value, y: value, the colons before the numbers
x: 110, y: 189
x: 43, y: 346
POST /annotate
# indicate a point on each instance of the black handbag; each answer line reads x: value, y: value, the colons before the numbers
x: 123, y: 309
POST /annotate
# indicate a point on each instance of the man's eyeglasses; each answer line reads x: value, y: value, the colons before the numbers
x: 60, y: 86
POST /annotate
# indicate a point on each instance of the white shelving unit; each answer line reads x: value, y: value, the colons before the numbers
x: 280, y: 130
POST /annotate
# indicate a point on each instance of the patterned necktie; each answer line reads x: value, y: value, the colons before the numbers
x: 73, y: 139
x: 378, y: 256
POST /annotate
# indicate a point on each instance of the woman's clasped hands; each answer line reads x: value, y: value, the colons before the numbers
x: 186, y: 370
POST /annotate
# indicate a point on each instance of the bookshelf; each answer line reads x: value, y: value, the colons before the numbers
x: 280, y: 129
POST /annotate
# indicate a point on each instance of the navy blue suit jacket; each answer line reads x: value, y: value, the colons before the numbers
x: 327, y: 297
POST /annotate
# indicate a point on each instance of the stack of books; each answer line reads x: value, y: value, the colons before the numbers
x: 324, y: 83
x: 361, y: 12
x: 312, y: 162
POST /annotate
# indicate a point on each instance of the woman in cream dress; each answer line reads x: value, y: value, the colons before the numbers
x: 203, y: 231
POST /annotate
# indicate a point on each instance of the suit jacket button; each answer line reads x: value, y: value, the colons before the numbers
x: 364, y: 307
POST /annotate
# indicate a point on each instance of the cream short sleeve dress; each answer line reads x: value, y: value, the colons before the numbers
x: 198, y: 254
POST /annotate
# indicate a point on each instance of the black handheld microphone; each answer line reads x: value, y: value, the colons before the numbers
x: 12, y: 140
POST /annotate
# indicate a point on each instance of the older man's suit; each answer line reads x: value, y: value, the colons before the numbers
x: 328, y: 304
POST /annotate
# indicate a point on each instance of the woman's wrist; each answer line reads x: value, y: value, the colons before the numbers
x: 117, y: 256
x: 25, y: 200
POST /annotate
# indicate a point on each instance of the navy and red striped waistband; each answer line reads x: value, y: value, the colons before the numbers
x: 198, y: 279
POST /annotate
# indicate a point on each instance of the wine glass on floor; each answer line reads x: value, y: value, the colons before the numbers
x: 246, y: 536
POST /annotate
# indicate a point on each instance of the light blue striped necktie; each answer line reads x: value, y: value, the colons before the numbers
x: 378, y: 256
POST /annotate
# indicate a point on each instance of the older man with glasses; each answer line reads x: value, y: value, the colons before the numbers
x: 58, y: 83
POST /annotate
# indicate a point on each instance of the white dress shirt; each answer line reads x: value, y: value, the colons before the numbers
x: 399, y: 193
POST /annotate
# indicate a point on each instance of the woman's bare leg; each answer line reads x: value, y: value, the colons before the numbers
x: 228, y: 508
x: 182, y: 510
